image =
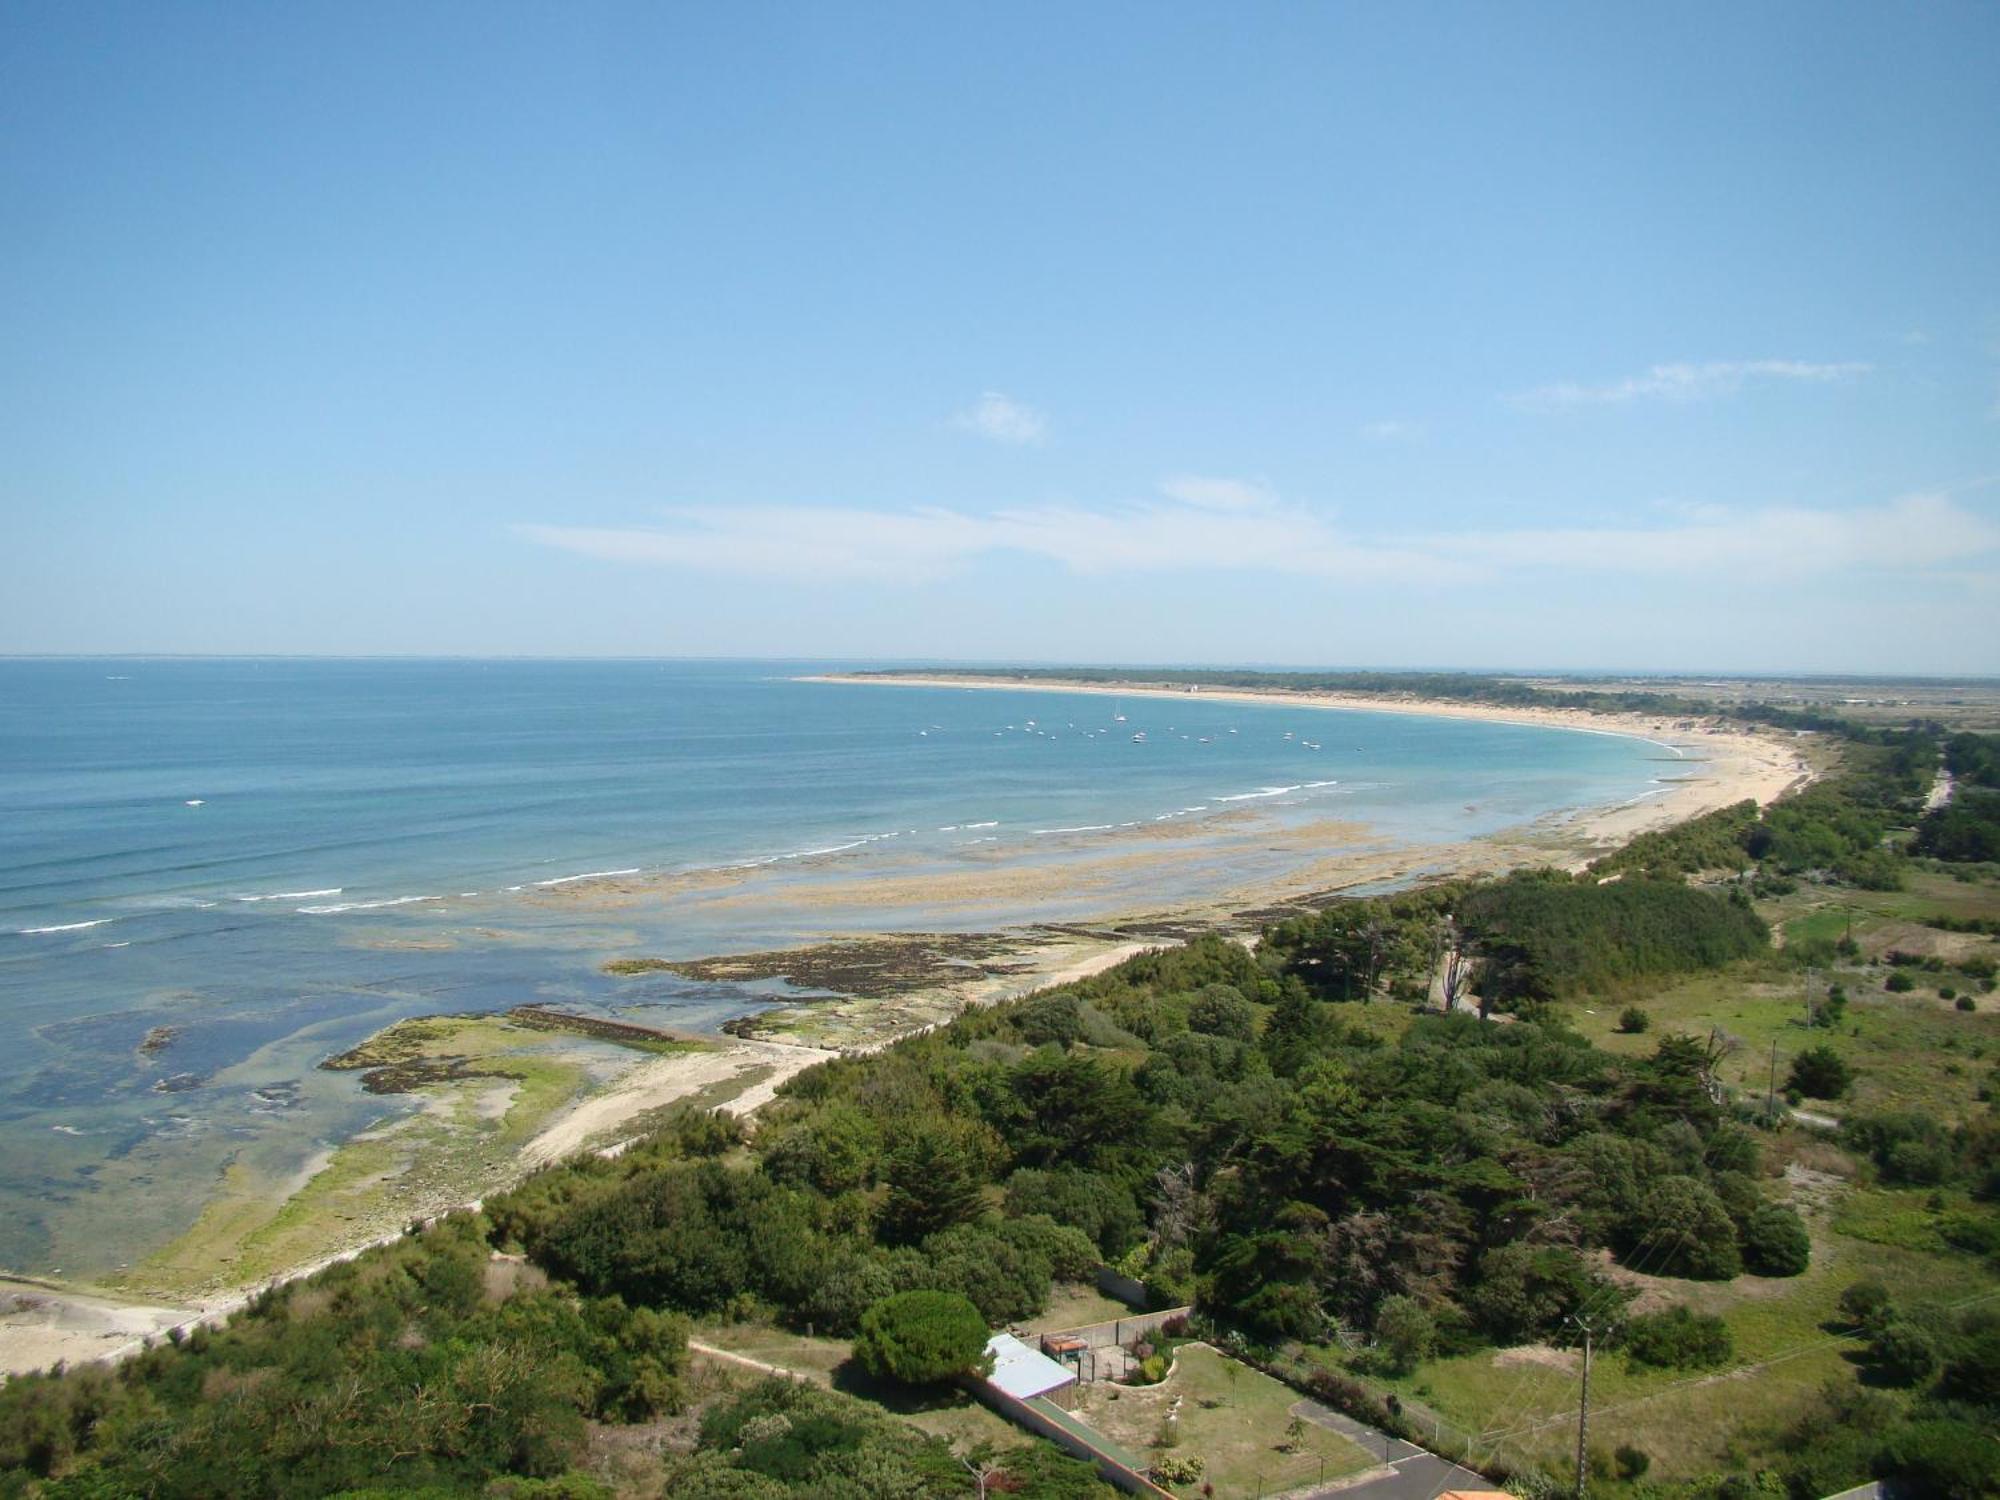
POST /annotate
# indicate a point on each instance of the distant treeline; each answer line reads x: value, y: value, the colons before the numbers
x: 1967, y: 829
x: 1469, y: 687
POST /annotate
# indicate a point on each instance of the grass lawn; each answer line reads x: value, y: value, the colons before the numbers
x: 1075, y: 1305
x: 1235, y: 1421
x: 948, y: 1413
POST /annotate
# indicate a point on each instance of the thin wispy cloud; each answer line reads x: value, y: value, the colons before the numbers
x: 1910, y: 533
x: 1195, y: 524
x: 1205, y: 525
x: 1687, y: 381
x: 1218, y: 494
x: 1391, y: 431
x: 1000, y: 418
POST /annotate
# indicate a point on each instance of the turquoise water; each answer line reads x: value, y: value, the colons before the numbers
x: 279, y: 857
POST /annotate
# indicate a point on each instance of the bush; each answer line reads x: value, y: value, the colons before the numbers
x: 1633, y: 1019
x: 1947, y: 992
x: 1941, y: 1457
x: 1866, y: 1303
x: 1406, y: 1333
x: 1900, y: 1355
x: 920, y: 1338
x: 1966, y: 1002
x: 1632, y: 1462
x: 1899, y: 983
x: 1178, y: 1468
x: 1678, y: 1339
x: 1684, y: 1223
x: 1775, y: 1242
x: 1820, y: 1073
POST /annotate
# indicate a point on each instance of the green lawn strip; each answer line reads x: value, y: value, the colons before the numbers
x: 1236, y: 1423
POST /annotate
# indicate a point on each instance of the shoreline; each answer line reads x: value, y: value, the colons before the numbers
x: 1742, y: 763
x: 42, y: 1321
x: 47, y: 1320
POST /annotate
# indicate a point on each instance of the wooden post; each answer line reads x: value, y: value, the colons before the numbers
x: 1583, y: 1409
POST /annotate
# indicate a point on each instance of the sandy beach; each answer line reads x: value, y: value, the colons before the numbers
x: 1728, y: 763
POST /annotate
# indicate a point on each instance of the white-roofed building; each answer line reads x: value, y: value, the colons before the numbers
x: 1022, y: 1372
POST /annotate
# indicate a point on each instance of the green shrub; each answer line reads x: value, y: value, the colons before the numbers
x: 1866, y: 1303
x: 920, y: 1338
x: 1632, y: 1462
x: 1685, y: 1229
x: 1775, y: 1242
x: 1678, y: 1339
x: 1178, y: 1468
x: 1406, y: 1333
x: 1899, y: 1354
x: 1633, y: 1019
x: 1899, y: 983
x: 1820, y: 1073
x: 1966, y: 1002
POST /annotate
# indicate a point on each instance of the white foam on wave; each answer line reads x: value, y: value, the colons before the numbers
x: 994, y: 824
x: 865, y: 839
x: 1080, y: 828
x: 586, y: 875
x: 64, y: 927
x: 1275, y: 791
x: 1262, y: 791
x: 332, y: 890
x: 341, y: 906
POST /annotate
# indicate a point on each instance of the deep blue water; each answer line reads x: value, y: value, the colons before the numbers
x: 251, y: 851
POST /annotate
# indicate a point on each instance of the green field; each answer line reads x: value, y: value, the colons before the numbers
x: 1911, y: 1051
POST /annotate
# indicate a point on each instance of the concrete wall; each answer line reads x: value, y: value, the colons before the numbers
x: 1072, y: 1437
x: 1124, y: 1288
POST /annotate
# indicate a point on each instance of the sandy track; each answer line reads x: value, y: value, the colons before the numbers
x: 665, y: 1081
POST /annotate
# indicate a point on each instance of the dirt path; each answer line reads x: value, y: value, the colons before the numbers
x: 665, y: 1081
x: 728, y: 1356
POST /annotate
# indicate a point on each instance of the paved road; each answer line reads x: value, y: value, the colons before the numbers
x: 1403, y: 1472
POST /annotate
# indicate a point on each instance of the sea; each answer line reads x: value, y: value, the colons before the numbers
x: 274, y: 858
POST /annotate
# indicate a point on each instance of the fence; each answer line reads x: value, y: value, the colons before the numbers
x: 1094, y: 1360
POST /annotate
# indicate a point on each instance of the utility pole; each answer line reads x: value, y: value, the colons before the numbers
x: 1771, y: 1095
x: 1583, y: 1406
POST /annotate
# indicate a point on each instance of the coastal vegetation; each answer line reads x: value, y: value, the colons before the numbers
x: 1395, y: 1156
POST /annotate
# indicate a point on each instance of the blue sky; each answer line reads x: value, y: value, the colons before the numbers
x: 1590, y: 336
